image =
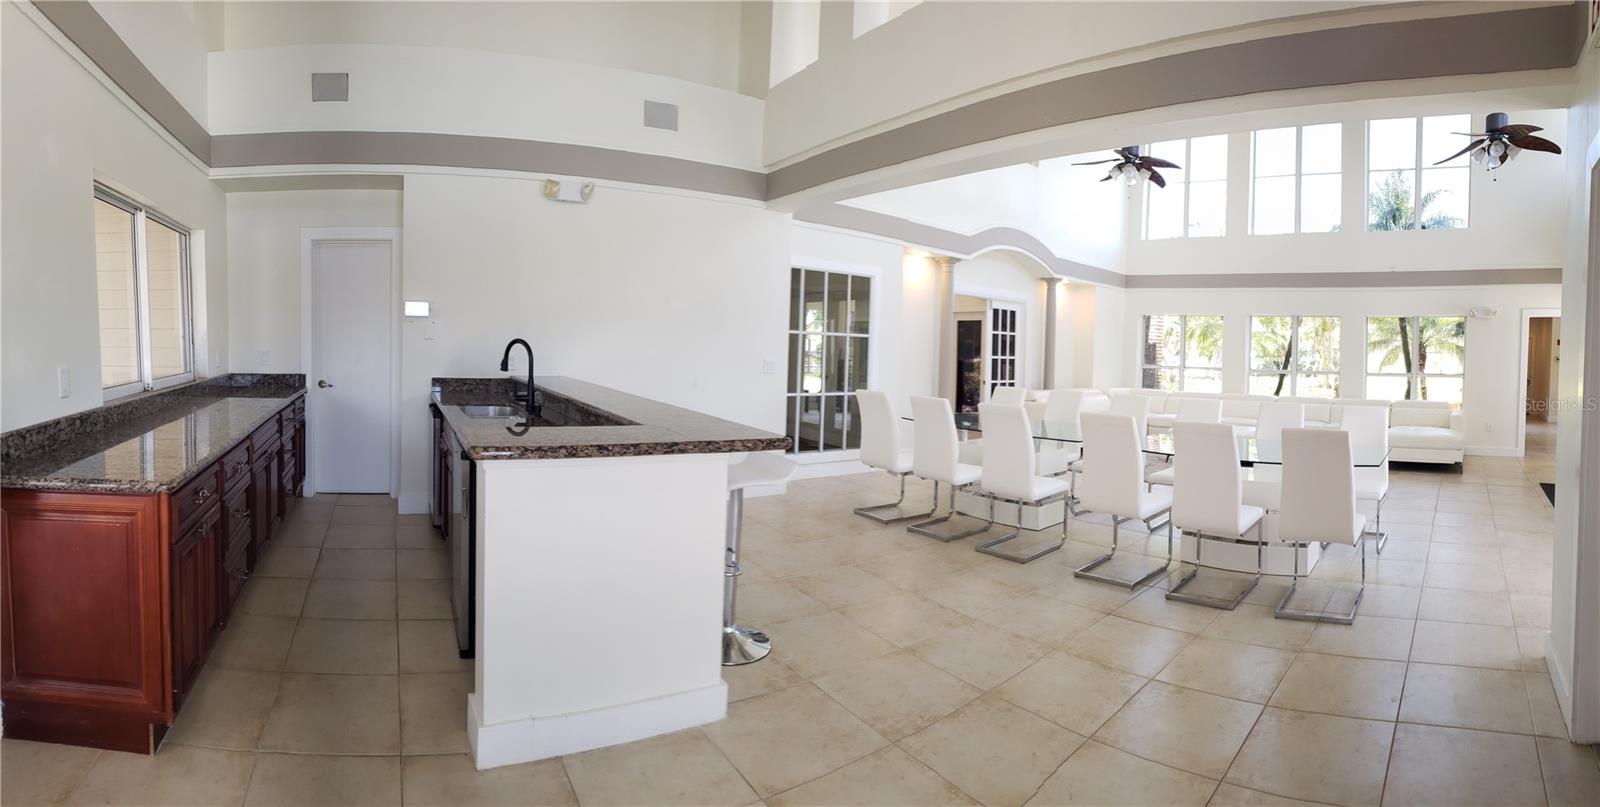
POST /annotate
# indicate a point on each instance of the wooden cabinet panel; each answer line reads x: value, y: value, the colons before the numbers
x: 204, y: 490
x: 196, y: 599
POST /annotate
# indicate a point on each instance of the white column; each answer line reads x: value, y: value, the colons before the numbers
x: 1051, y: 313
x: 945, y: 328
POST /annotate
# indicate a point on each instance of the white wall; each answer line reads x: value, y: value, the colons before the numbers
x: 692, y: 41
x: 1008, y: 277
x: 396, y: 88
x: 264, y: 262
x: 1493, y: 392
x: 170, y: 39
x: 65, y: 130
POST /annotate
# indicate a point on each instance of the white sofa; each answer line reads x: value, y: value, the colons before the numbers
x: 1426, y: 431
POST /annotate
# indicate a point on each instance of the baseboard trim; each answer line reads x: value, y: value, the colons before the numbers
x: 1560, y: 678
x: 535, y: 738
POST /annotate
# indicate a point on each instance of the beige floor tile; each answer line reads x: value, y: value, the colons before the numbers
x: 1531, y: 611
x: 1531, y: 644
x: 350, y: 599
x: 343, y: 516
x: 1547, y: 718
x: 304, y: 780
x: 1099, y: 775
x: 417, y: 536
x: 1467, y: 645
x: 253, y: 643
x: 1476, y: 607
x: 1342, y: 685
x: 429, y: 645
x: 356, y: 564
x: 41, y: 773
x: 1088, y: 593
x: 1387, y: 571
x: 1255, y: 624
x: 433, y: 713
x: 789, y: 737
x: 980, y: 654
x: 897, y: 694
x: 1126, y: 645
x: 452, y: 781
x: 1369, y: 637
x: 226, y: 709
x: 1153, y: 608
x: 1072, y: 692
x: 904, y: 618
x: 887, y: 777
x: 272, y: 596
x: 1466, y: 577
x: 683, y: 768
x: 994, y: 751
x: 972, y: 595
x: 361, y: 647
x: 1234, y: 796
x: 298, y: 531
x: 424, y: 599
x: 1464, y: 553
x: 1432, y: 765
x: 1466, y: 697
x: 1395, y: 602
x: 767, y: 603
x: 173, y: 776
x: 422, y: 564
x: 359, y: 536
x: 750, y: 680
x: 1043, y: 619
x: 379, y: 500
x: 1571, y: 773
x: 1186, y: 729
x: 287, y: 561
x: 843, y: 585
x: 1241, y: 671
x: 819, y: 644
x: 1336, y: 760
x: 335, y: 714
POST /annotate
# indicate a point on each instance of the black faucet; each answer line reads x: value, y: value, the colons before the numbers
x: 530, y: 400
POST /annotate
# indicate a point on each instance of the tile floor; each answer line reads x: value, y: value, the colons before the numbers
x: 910, y: 672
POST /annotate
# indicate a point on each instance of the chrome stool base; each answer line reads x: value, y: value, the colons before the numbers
x: 743, y: 646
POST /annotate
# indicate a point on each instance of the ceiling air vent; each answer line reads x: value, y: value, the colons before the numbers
x: 330, y: 86
x: 660, y: 115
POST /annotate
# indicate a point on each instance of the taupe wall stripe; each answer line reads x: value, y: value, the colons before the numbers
x: 1522, y: 39
x: 1341, y: 280
x: 471, y: 151
x: 84, y: 26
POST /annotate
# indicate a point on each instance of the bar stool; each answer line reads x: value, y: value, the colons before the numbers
x: 744, y: 645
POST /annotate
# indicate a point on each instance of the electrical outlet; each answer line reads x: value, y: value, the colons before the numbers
x: 769, y: 367
x: 64, y: 381
x: 264, y: 357
x: 1488, y: 427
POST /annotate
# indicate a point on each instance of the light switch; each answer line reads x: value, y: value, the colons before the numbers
x: 64, y: 381
x: 769, y: 367
x: 264, y: 357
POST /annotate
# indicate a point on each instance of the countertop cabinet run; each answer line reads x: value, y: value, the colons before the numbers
x: 115, y: 600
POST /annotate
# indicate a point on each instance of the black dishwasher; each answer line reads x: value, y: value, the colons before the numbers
x: 461, y: 534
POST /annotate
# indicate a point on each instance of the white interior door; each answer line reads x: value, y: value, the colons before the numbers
x: 351, y: 365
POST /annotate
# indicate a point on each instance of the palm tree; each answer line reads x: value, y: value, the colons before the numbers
x: 1273, y: 346
x: 1389, y: 206
x: 1391, y: 338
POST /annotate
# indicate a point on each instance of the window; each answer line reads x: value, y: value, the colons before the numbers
x: 1398, y: 149
x: 829, y: 327
x: 870, y: 14
x: 142, y: 274
x: 1182, y: 352
x: 1002, y: 346
x: 1416, y: 358
x: 796, y: 30
x: 1294, y: 356
x: 1195, y: 201
x: 1295, y: 179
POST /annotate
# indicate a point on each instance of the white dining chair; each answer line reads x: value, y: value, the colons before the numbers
x: 1112, y: 482
x: 1008, y: 396
x: 1207, y: 499
x: 1369, y: 427
x: 1190, y: 410
x: 1319, y: 505
x: 1263, y: 483
x: 1063, y: 408
x: 1134, y: 406
x: 1009, y: 475
x: 936, y: 446
x: 880, y: 448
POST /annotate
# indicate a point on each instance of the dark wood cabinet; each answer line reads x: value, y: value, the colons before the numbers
x: 113, y: 601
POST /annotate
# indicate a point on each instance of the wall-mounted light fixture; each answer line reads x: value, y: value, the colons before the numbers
x: 567, y: 190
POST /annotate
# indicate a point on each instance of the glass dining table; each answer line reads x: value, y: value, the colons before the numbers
x: 1252, y: 451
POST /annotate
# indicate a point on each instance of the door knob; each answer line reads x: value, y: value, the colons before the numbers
x: 323, y: 384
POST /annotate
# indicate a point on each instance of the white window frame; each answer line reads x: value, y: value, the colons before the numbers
x: 1299, y: 175
x: 1183, y: 354
x: 792, y: 400
x: 1293, y: 371
x: 1418, y: 165
x: 141, y: 216
x: 1414, y: 377
x: 1186, y: 183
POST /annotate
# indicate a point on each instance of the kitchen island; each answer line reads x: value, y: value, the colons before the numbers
x: 599, y: 540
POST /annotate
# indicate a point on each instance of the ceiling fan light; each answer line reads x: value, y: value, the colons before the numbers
x: 1130, y: 177
x: 1497, y: 148
x: 1478, y: 155
x: 1511, y: 152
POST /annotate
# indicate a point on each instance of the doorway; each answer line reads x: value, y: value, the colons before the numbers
x: 1540, y: 360
x: 969, y: 361
x: 351, y: 369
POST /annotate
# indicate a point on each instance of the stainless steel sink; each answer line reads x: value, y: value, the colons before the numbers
x: 479, y: 411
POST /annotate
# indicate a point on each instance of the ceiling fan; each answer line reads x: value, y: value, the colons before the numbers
x: 1501, y: 141
x: 1131, y: 166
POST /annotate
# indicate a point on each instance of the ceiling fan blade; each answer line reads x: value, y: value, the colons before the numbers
x: 1530, y: 142
x: 1106, y: 178
x: 1519, y: 129
x: 1157, y: 162
x: 1099, y: 162
x: 1156, y: 179
x: 1471, y: 134
x: 1126, y: 152
x: 1475, y: 144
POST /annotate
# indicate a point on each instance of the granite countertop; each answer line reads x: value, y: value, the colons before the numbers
x: 588, y: 420
x: 156, y: 449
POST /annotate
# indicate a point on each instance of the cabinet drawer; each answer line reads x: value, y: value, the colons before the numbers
x: 236, y: 507
x: 234, y: 573
x: 197, y: 495
x: 264, y: 436
x: 236, y: 467
x: 263, y: 452
x: 299, y: 409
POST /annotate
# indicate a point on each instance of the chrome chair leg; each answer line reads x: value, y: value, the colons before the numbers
x: 1283, y: 611
x: 1377, y: 533
x: 1225, y: 603
x: 891, y: 513
x: 989, y: 547
x: 739, y: 645
x: 929, y: 527
x: 1087, y: 571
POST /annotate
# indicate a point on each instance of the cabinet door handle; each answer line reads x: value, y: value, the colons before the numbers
x: 240, y: 513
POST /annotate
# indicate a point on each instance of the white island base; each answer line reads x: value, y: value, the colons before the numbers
x: 599, y: 602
